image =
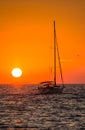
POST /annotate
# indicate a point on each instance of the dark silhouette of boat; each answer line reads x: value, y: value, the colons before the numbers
x: 50, y: 87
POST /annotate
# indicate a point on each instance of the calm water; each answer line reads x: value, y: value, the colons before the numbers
x: 23, y: 108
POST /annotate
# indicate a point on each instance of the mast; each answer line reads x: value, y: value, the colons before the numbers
x: 54, y: 55
x: 56, y: 48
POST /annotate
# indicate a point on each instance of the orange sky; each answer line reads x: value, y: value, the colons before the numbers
x: 26, y: 36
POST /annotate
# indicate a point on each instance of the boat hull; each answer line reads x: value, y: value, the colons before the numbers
x: 51, y: 90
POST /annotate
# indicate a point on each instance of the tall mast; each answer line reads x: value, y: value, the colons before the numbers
x: 54, y: 55
x: 56, y: 48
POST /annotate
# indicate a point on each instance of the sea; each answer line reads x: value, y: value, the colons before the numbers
x: 22, y: 107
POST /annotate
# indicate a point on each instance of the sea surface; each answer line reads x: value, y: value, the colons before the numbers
x: 22, y: 107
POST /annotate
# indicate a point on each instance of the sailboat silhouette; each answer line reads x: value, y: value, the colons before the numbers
x: 48, y: 86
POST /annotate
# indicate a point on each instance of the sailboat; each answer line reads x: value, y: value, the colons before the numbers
x: 50, y: 87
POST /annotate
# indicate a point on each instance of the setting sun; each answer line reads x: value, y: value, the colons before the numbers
x: 16, y: 72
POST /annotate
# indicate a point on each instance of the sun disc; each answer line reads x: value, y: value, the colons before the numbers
x: 16, y: 72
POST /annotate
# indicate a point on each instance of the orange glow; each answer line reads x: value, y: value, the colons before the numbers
x: 26, y: 40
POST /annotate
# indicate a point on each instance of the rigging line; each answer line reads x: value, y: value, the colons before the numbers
x: 59, y: 60
x: 50, y: 57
